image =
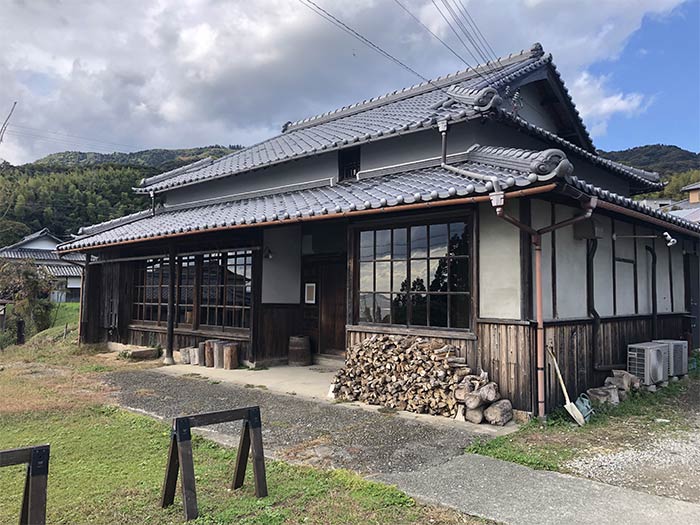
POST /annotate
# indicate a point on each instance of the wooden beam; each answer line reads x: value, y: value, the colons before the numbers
x: 170, y: 336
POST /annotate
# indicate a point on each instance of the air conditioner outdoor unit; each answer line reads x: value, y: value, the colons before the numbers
x: 677, y: 357
x: 649, y: 362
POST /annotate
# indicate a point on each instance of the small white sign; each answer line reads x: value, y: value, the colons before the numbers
x: 310, y: 293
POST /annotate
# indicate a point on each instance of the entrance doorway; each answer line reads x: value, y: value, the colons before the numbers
x: 324, y: 319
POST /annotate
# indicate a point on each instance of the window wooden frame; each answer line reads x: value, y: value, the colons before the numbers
x: 354, y: 290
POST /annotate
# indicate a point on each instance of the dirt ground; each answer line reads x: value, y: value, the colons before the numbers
x: 661, y: 463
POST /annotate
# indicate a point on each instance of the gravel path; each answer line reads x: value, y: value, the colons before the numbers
x: 300, y: 430
x: 666, y: 466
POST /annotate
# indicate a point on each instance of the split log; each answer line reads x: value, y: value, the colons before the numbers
x: 499, y: 413
x: 201, y: 351
x: 219, y: 354
x: 474, y: 415
x: 185, y: 356
x: 230, y: 356
x: 489, y: 393
x: 209, y: 354
x: 473, y: 400
x: 603, y: 395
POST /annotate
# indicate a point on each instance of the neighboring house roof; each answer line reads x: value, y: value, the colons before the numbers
x: 693, y: 186
x: 36, y: 255
x: 57, y: 270
x: 461, y: 96
x: 388, y: 187
x: 689, y: 214
x: 36, y: 235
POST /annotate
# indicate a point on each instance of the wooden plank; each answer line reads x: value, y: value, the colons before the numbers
x: 187, y: 479
x: 242, y: 456
x: 15, y: 456
x: 171, y: 471
x: 223, y: 416
x: 256, y: 443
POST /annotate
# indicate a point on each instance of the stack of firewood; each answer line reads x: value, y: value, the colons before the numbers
x: 419, y: 375
x: 405, y: 373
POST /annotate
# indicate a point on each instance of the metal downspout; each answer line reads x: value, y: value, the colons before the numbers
x: 654, y: 311
x: 536, y: 237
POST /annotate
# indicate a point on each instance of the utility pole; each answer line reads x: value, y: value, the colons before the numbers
x: 4, y: 124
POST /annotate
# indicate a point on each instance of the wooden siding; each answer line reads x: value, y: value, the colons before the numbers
x: 277, y: 323
x: 572, y: 344
x: 506, y: 352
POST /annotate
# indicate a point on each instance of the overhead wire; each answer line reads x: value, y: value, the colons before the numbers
x: 63, y: 134
x: 475, y: 26
x: 314, y: 7
x: 483, y: 58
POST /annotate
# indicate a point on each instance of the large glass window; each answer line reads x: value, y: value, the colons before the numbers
x: 417, y: 275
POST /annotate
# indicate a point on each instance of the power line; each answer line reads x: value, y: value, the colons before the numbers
x: 432, y: 33
x: 458, y: 20
x: 65, y: 142
x: 459, y: 37
x: 310, y: 4
x: 475, y: 26
x: 60, y: 133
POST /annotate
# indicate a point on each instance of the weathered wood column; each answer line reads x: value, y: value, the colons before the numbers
x: 170, y: 336
x: 82, y: 314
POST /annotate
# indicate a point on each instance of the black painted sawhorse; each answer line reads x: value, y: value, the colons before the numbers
x: 180, y: 455
x: 34, y: 500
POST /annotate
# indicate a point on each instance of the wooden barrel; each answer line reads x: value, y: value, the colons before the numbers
x: 299, y: 351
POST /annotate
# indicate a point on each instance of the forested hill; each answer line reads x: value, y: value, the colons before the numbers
x: 65, y: 191
x: 661, y: 158
x: 162, y: 159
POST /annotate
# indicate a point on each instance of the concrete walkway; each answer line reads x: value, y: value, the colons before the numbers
x: 517, y: 495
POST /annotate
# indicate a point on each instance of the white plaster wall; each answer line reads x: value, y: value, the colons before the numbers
x: 541, y: 216
x: 644, y: 271
x: 281, y: 275
x: 624, y: 278
x: 42, y: 243
x: 73, y: 282
x: 499, y: 264
x: 571, y: 268
x: 678, y: 278
x: 603, y: 269
x: 323, y: 166
x: 663, y: 287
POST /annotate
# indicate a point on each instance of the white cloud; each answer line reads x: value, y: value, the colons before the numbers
x: 597, y: 102
x: 175, y: 74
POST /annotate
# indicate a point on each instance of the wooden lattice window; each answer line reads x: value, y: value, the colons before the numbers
x: 226, y: 290
x: 417, y: 275
x: 150, y: 302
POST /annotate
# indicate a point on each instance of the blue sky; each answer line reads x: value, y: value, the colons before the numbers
x: 661, y: 60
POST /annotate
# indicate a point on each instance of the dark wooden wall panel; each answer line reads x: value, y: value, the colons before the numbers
x: 277, y: 323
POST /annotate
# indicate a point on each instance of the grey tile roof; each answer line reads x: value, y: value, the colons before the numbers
x: 36, y: 235
x: 693, y: 186
x: 405, y: 111
x: 57, y: 270
x: 648, y: 180
x: 36, y: 255
x: 388, y: 187
x: 631, y: 204
x: 689, y: 214
x: 384, y: 188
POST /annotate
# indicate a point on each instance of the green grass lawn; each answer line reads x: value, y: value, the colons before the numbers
x: 550, y: 446
x: 107, y: 466
x: 64, y: 314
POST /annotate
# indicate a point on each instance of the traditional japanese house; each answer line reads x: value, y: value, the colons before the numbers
x: 40, y: 249
x: 472, y: 209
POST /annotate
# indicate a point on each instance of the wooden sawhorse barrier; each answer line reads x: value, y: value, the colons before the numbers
x: 180, y: 455
x: 34, y: 499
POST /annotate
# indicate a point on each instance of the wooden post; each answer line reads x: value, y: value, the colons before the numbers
x: 170, y: 337
x: 82, y: 312
x: 258, y: 455
x: 33, y: 510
